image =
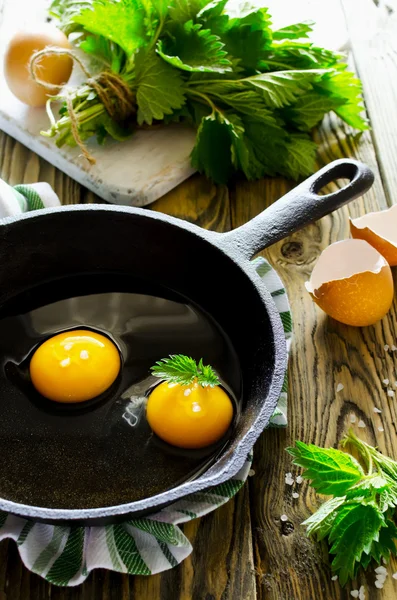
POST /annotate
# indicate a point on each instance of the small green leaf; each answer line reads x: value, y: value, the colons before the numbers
x: 309, y: 110
x: 301, y: 156
x: 122, y: 22
x: 331, y: 471
x: 320, y: 522
x: 386, y: 544
x: 353, y: 532
x: 296, y: 31
x: 183, y: 370
x: 194, y: 49
x: 159, y: 88
x: 185, y: 10
x: 282, y: 88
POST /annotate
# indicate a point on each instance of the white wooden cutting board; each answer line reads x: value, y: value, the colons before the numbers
x: 151, y: 162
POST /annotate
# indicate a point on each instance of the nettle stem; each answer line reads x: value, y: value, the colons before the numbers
x: 114, y: 93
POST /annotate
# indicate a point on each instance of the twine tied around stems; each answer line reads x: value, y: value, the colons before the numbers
x: 113, y: 92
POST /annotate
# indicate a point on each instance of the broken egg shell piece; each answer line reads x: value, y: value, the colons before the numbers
x: 380, y: 230
x: 352, y: 282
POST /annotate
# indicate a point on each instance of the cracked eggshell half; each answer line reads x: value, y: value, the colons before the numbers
x: 352, y: 282
x: 380, y: 230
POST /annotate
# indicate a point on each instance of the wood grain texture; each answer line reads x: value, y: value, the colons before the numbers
x: 243, y: 551
x: 324, y: 353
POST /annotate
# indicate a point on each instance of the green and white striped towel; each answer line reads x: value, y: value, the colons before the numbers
x: 65, y: 555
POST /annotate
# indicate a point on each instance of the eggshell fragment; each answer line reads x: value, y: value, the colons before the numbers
x: 352, y: 282
x: 380, y: 230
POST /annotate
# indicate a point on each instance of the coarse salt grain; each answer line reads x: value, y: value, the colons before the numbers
x: 284, y: 518
x: 251, y: 473
x: 289, y: 481
x: 361, y: 424
x: 380, y: 570
x: 334, y: 578
x: 361, y: 593
x: 353, y: 418
x: 289, y: 475
x: 393, y: 348
x: 386, y: 347
x: 380, y: 428
x: 299, y: 479
x: 377, y: 410
x: 381, y: 577
x: 385, y: 381
x: 379, y: 585
x: 354, y: 593
x: 295, y: 495
x: 394, y: 575
x: 390, y: 393
x: 339, y: 387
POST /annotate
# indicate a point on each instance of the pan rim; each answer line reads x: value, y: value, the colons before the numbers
x: 243, y: 447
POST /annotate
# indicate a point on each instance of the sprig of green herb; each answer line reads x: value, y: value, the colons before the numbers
x: 358, y: 522
x: 182, y: 369
x: 252, y: 93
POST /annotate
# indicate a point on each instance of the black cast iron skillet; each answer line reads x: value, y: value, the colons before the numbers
x: 211, y: 269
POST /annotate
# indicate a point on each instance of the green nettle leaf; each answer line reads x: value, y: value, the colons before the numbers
x: 289, y: 54
x: 320, y: 523
x: 183, y: 370
x: 282, y: 88
x: 331, y: 471
x: 354, y: 529
x: 385, y: 545
x: 309, y: 110
x: 192, y: 48
x: 296, y: 31
x: 212, y: 152
x: 301, y: 156
x: 122, y: 22
x: 347, y: 88
x: 159, y: 88
x: 185, y: 10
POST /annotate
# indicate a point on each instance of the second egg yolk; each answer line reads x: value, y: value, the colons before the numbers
x: 74, y: 366
x: 190, y: 416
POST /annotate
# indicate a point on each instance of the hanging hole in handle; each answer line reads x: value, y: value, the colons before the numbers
x: 334, y: 186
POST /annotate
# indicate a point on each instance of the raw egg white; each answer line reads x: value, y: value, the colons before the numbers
x: 74, y: 366
x: 190, y: 416
x: 55, y: 70
x: 352, y: 282
x: 380, y: 230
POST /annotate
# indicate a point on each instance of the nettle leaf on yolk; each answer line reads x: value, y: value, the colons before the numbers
x: 75, y: 366
x: 189, y: 416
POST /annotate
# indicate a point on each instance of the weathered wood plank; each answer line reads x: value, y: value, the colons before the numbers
x: 324, y: 353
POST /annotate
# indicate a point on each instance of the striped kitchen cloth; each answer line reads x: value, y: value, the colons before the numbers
x: 65, y: 555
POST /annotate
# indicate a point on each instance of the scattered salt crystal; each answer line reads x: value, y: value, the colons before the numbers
x: 380, y: 570
x: 380, y: 428
x: 334, y: 578
x: 283, y: 518
x: 390, y: 393
x: 295, y: 495
x: 381, y: 577
x: 377, y: 410
x: 385, y: 382
x: 361, y: 593
x: 289, y: 475
x: 299, y: 479
x: 361, y: 424
x: 289, y: 481
x: 339, y: 387
x: 393, y: 348
x: 354, y: 593
x: 394, y: 575
x: 251, y: 473
x: 386, y: 347
x: 353, y: 418
x: 379, y: 585
x: 84, y: 355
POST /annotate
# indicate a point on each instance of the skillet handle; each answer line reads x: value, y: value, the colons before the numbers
x: 300, y: 206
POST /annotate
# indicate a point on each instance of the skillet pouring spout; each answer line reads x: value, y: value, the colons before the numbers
x: 299, y: 207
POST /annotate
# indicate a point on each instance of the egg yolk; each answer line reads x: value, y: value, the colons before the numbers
x: 190, y: 416
x: 74, y: 366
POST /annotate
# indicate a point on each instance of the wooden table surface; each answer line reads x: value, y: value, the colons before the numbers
x: 243, y: 551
